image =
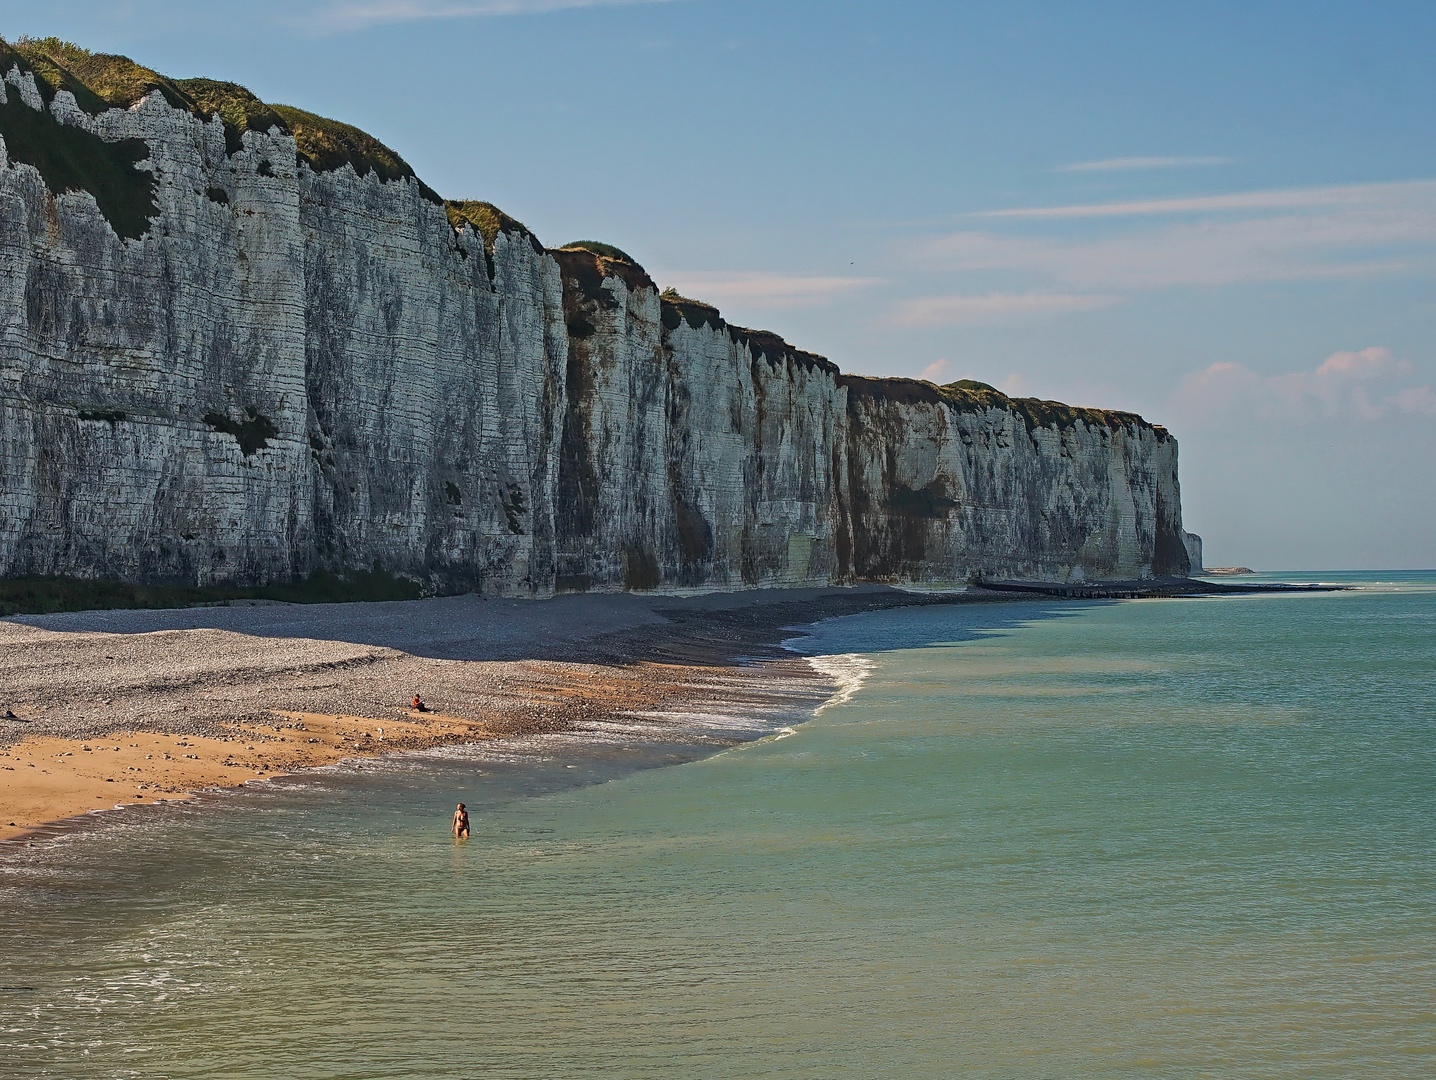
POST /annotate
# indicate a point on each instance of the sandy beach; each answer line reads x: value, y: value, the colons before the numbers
x: 113, y: 709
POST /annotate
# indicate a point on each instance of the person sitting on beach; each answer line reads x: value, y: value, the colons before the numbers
x: 419, y: 705
x: 461, y: 823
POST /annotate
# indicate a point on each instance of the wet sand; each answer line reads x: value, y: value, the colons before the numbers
x: 121, y: 708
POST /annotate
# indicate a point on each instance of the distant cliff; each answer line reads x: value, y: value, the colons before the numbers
x: 242, y: 343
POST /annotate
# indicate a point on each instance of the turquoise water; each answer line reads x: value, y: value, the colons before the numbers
x: 1186, y: 838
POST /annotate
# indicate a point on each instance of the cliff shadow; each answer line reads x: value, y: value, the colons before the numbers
x: 603, y: 628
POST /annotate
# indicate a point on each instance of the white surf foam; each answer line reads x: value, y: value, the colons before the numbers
x: 848, y: 670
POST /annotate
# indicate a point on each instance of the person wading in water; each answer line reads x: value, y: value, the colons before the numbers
x: 461, y: 823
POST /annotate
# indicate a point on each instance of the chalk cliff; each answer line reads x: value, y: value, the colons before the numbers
x: 240, y: 343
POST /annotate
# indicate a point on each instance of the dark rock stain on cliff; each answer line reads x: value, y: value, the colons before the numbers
x: 511, y: 498
x: 71, y: 159
x: 107, y: 416
x: 253, y: 432
x: 577, y: 489
x: 930, y: 501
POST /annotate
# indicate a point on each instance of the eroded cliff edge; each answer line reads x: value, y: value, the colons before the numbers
x: 241, y: 343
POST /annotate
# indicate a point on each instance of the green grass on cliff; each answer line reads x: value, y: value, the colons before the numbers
x: 971, y: 396
x: 99, y: 81
x: 487, y: 220
x: 608, y: 251
x: 103, y: 81
x: 328, y: 145
x: 237, y: 108
x: 43, y: 595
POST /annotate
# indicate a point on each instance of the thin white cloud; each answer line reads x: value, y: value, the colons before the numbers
x: 993, y: 307
x: 1349, y: 232
x: 1357, y: 385
x: 1396, y: 193
x: 764, y: 290
x: 1128, y: 164
x: 1420, y: 400
x: 354, y: 16
x: 935, y: 371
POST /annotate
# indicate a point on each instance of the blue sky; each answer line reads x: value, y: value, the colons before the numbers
x: 1222, y: 216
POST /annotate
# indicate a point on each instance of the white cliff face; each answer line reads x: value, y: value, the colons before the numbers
x: 946, y: 490
x: 1193, y: 543
x: 433, y: 391
x: 691, y: 459
x: 289, y: 370
x: 114, y: 351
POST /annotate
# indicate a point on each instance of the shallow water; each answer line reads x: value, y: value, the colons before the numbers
x: 1133, y: 839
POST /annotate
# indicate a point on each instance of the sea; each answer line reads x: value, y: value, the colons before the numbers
x: 1065, y: 839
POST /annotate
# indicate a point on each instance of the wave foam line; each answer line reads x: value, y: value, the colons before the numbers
x: 848, y: 670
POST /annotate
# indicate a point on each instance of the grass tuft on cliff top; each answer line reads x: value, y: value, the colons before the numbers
x: 1035, y: 411
x: 99, y: 81
x: 237, y: 108
x: 597, y: 247
x: 487, y: 220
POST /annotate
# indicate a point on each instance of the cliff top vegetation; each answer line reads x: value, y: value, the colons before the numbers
x: 101, y: 81
x: 487, y: 220
x: 678, y: 309
x: 588, y: 262
x: 608, y: 251
x: 971, y: 396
